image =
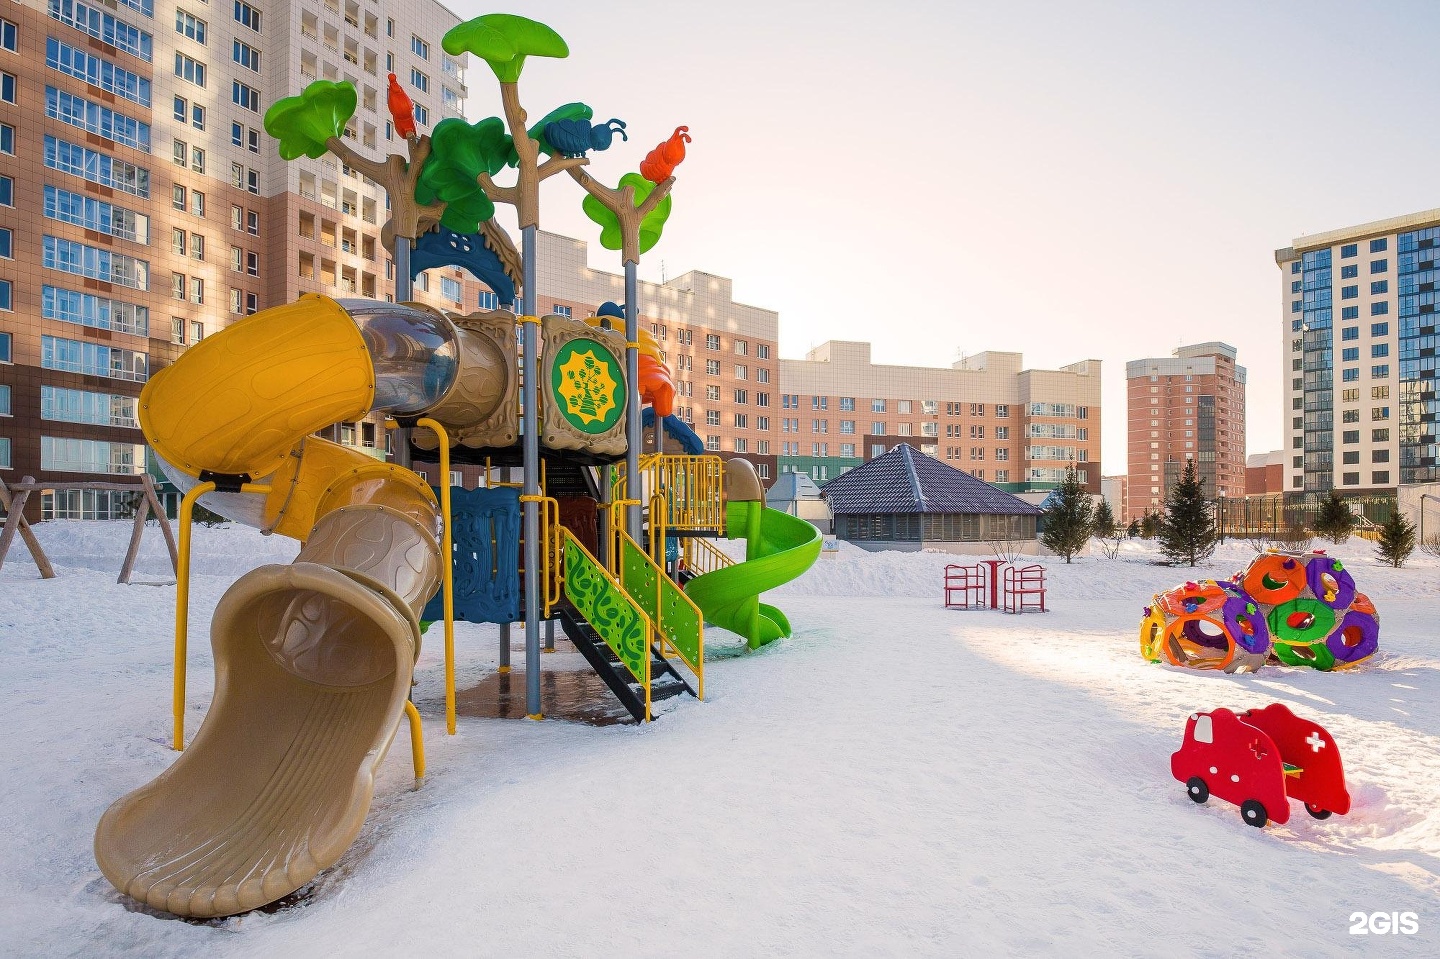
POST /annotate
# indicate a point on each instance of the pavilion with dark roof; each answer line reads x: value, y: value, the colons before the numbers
x: 907, y: 500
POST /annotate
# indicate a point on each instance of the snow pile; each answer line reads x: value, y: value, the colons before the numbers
x: 896, y: 780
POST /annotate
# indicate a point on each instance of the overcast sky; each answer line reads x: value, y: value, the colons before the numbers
x: 1070, y: 180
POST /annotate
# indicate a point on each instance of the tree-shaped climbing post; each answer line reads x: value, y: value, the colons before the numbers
x: 504, y: 41
x: 631, y: 217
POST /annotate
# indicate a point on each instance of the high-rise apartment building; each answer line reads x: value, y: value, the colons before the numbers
x: 1359, y: 339
x: 1187, y: 406
x: 131, y: 142
x: 987, y: 415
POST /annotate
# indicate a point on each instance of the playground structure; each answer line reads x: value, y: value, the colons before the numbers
x: 1259, y: 760
x: 979, y: 586
x: 1299, y: 609
x: 314, y: 660
x: 146, y: 500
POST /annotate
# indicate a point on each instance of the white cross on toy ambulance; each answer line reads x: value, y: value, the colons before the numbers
x: 1315, y: 742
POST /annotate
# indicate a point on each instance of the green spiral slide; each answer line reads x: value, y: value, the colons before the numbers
x: 779, y: 547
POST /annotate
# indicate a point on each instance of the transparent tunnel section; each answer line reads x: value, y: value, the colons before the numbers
x: 413, y: 350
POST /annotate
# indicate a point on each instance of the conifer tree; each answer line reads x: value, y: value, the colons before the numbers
x: 1187, y: 531
x: 1150, y: 525
x: 1068, y: 518
x: 1104, y: 521
x: 1334, y: 521
x: 1134, y: 529
x: 1397, y: 540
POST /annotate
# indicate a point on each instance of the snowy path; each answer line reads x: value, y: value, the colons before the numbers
x: 898, y: 780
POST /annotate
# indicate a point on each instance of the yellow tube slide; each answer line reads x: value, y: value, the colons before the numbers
x: 313, y: 660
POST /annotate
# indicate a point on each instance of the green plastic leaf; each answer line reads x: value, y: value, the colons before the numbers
x: 302, y: 124
x: 460, y: 152
x: 504, y: 40
x: 651, y: 227
x: 570, y: 111
x: 465, y: 214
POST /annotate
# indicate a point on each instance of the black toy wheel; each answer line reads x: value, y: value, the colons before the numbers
x: 1317, y: 812
x: 1253, y: 812
x: 1196, y: 789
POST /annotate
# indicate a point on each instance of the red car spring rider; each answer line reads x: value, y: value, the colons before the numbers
x: 1259, y: 760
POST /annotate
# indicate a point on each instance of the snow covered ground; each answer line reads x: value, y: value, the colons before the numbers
x: 897, y: 780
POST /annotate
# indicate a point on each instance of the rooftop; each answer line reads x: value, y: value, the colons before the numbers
x: 905, y: 480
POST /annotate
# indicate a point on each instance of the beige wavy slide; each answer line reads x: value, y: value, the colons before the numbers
x: 313, y: 661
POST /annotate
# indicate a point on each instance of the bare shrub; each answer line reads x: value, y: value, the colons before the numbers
x: 1296, y: 538
x: 1431, y: 545
x: 1109, y: 546
x: 1007, y: 550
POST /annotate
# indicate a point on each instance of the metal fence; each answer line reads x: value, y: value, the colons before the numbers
x: 1276, y: 513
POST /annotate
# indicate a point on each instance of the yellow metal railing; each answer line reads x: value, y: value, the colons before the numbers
x: 701, y: 556
x: 658, y: 528
x: 447, y: 563
x: 693, y: 488
x: 551, y: 546
x: 585, y: 600
x: 614, y: 529
x: 683, y: 634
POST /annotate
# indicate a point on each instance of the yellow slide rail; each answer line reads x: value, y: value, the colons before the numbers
x: 182, y: 599
x: 447, y: 583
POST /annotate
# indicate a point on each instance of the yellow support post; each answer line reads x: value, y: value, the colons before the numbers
x: 417, y: 739
x: 182, y: 600
x: 447, y: 585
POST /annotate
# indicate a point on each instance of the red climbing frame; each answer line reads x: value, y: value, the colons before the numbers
x: 964, y: 587
x: 1024, y: 588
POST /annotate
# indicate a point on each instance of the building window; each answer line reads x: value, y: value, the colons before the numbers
x: 1379, y: 329
x: 419, y: 81
x: 190, y: 70
x: 422, y: 115
x: 1379, y: 371
x: 1379, y: 266
x: 712, y: 341
x: 246, y: 96
x: 419, y: 47
x: 1349, y: 292
x: 247, y: 56
x: 1381, y: 308
x: 1379, y: 286
x: 8, y: 36
x: 1346, y: 273
x: 247, y: 16
x: 712, y: 367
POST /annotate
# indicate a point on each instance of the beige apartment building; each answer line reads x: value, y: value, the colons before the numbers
x: 1187, y: 406
x: 1358, y: 331
x: 131, y: 141
x: 986, y: 414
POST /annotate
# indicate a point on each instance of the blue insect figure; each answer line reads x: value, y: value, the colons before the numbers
x: 573, y: 138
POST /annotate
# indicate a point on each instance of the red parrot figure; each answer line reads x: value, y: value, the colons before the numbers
x: 661, y: 162
x: 402, y: 110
